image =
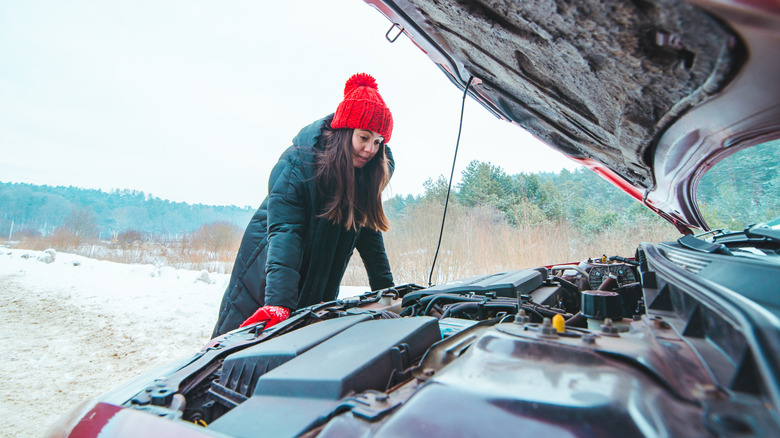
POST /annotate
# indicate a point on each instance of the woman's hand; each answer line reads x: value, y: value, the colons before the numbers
x: 271, y: 315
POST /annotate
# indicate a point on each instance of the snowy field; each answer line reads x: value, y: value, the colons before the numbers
x: 76, y: 327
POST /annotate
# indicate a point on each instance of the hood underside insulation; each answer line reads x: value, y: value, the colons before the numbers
x: 598, y: 80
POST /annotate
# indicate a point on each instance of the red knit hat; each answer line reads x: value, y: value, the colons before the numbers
x: 363, y: 108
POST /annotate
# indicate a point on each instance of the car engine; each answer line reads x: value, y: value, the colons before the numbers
x: 606, y: 346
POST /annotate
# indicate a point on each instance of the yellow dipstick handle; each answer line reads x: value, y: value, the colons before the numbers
x: 558, y: 323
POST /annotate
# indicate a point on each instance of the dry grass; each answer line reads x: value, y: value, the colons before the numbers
x: 480, y: 241
x: 476, y: 241
x: 213, y: 247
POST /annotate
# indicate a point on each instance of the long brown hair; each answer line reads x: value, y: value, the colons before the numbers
x: 353, y: 196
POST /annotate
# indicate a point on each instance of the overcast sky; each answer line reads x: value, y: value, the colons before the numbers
x: 194, y: 101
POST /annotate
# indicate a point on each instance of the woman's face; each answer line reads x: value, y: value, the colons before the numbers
x: 365, y: 144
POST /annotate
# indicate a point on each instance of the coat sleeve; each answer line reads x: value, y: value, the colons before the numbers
x: 371, y: 247
x: 286, y: 228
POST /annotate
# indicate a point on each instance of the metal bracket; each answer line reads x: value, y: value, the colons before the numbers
x: 400, y: 31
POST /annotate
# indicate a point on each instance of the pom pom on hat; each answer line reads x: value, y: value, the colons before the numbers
x: 360, y: 80
x: 363, y: 107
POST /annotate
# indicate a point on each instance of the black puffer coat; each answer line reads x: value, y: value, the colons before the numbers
x: 290, y: 257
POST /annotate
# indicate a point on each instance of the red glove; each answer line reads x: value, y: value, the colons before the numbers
x: 271, y: 315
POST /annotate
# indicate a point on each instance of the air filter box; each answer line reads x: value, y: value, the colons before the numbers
x: 366, y: 356
x: 241, y: 370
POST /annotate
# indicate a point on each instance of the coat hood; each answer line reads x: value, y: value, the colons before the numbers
x: 309, y: 135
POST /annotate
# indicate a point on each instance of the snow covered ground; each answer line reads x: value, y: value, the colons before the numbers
x: 76, y: 327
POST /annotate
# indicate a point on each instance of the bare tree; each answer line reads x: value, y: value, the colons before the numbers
x: 81, y: 226
x: 217, y: 237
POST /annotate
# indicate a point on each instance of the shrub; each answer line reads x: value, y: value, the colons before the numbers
x: 128, y: 238
x: 218, y: 237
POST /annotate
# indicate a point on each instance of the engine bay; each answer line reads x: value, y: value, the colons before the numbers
x: 595, y: 346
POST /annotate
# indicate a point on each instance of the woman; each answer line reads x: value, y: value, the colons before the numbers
x: 324, y: 200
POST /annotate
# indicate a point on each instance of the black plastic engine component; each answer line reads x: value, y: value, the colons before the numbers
x: 601, y: 304
x: 241, y: 370
x: 504, y: 284
x: 303, y: 392
x: 362, y: 357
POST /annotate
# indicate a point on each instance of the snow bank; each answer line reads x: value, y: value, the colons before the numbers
x: 73, y: 328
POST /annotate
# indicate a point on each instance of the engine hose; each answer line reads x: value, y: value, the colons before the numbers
x: 409, y: 311
x: 532, y: 309
x: 461, y: 307
x: 545, y: 311
x: 386, y: 314
x: 578, y: 320
x: 455, y: 298
x: 371, y: 300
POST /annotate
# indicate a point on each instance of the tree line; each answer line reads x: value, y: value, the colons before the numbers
x: 740, y: 190
x: 27, y: 209
x: 743, y: 188
x: 580, y: 197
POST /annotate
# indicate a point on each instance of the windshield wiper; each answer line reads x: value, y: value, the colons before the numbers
x: 759, y: 231
x: 758, y: 235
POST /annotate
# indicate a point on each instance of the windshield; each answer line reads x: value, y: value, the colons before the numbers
x: 743, y: 189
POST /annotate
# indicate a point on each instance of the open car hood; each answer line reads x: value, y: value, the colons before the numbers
x: 682, y: 339
x: 649, y: 94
